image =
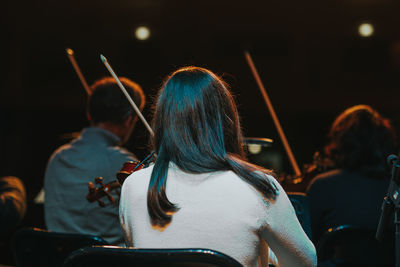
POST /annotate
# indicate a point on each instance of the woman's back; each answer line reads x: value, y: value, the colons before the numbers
x: 201, y: 191
x: 217, y: 211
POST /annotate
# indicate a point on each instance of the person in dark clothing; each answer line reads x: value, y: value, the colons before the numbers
x: 12, y: 211
x: 360, y: 139
x: 12, y: 203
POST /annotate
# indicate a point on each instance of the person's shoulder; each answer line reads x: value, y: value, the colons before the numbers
x: 68, y: 152
x: 268, y: 177
x: 120, y: 153
x: 248, y: 192
x: 276, y: 207
x: 264, y: 175
x: 63, y: 149
x: 326, y: 179
x: 331, y: 174
x: 138, y: 179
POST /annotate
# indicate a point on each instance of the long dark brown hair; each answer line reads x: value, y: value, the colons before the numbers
x: 360, y: 139
x: 196, y: 126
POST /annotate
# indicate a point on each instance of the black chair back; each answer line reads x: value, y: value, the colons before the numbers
x: 301, y: 206
x: 348, y: 245
x: 102, y: 256
x: 33, y: 247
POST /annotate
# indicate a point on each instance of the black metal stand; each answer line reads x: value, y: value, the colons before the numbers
x: 397, y: 242
x: 391, y: 203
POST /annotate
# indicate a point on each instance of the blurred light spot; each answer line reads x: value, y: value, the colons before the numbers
x: 366, y: 29
x: 254, y: 148
x: 142, y: 33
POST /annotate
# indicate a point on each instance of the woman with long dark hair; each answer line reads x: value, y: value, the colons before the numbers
x: 201, y: 192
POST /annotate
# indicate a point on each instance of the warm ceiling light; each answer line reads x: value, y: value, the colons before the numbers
x: 366, y: 29
x: 254, y: 148
x: 142, y: 33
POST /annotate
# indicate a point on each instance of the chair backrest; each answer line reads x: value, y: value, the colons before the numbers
x: 37, y: 247
x: 301, y: 206
x: 102, y: 256
x: 349, y: 245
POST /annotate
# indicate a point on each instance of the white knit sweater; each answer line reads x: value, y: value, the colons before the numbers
x: 218, y: 211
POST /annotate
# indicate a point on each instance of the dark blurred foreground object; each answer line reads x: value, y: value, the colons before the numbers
x: 102, y: 256
x: 349, y: 245
x: 12, y: 210
x: 33, y: 247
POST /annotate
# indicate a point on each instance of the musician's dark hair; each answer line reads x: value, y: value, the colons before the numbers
x: 196, y: 127
x: 107, y: 103
x: 360, y: 139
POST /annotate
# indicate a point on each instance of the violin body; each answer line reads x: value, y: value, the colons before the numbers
x: 300, y: 183
x: 95, y: 194
x: 127, y: 169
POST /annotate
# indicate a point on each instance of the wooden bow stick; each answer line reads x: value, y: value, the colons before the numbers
x: 71, y: 57
x: 278, y: 126
x: 121, y: 86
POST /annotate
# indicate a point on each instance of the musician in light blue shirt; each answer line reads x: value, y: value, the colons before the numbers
x: 95, y: 153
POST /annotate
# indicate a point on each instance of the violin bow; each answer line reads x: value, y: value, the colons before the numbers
x: 271, y: 109
x: 71, y: 56
x: 121, y: 86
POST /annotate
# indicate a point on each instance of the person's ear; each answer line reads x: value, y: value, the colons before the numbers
x: 128, y: 124
x: 128, y: 121
x: 88, y: 116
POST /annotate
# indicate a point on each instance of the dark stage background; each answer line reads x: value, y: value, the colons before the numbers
x: 309, y: 55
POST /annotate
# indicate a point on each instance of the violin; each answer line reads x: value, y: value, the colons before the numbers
x: 274, y: 116
x: 71, y: 56
x: 300, y: 183
x: 103, y: 190
x: 129, y: 167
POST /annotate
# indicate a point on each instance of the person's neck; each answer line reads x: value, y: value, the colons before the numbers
x: 111, y: 127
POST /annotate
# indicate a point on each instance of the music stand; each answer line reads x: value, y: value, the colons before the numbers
x: 391, y: 203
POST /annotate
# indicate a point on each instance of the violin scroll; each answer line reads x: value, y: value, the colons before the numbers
x: 103, y: 190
